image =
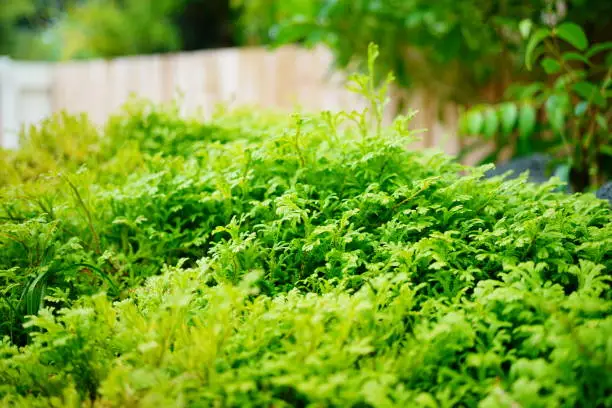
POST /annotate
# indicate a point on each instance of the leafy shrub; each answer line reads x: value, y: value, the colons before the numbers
x: 317, y: 264
x: 69, y: 192
x: 574, y: 104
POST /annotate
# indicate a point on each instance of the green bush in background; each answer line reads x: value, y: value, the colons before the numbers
x: 568, y: 114
x: 309, y: 260
x: 452, y: 48
x: 73, y: 29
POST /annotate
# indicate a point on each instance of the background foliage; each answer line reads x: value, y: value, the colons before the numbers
x: 474, y: 52
x: 567, y: 115
x: 471, y: 52
x: 453, y: 48
x: 73, y: 29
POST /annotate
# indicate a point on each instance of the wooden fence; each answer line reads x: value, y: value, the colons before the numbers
x: 279, y: 79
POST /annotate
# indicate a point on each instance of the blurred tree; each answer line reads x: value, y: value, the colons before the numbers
x: 10, y: 14
x: 102, y: 28
x: 77, y: 29
x: 452, y: 47
x: 23, y: 24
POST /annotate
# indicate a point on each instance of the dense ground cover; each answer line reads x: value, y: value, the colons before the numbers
x: 307, y: 260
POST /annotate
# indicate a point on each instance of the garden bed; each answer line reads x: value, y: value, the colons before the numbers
x: 262, y: 260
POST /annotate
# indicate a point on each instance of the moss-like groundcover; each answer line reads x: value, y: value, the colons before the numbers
x: 258, y: 260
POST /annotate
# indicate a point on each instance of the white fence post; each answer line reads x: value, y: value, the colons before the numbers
x: 9, y: 126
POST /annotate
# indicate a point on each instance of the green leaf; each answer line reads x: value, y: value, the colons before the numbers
x: 589, y: 92
x: 557, y: 120
x: 291, y: 32
x: 574, y: 56
x: 555, y: 110
x: 509, y: 114
x: 573, y: 34
x: 491, y: 123
x: 565, y: 80
x: 526, y: 121
x: 597, y: 48
x: 475, y: 121
x: 463, y: 123
x: 533, y: 43
x: 551, y: 66
x: 34, y: 293
x: 525, y: 27
x: 529, y: 91
x: 607, y: 150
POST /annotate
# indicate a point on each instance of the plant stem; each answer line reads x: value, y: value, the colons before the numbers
x: 96, y: 238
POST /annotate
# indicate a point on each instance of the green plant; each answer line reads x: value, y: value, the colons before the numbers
x: 68, y: 194
x: 311, y: 260
x: 568, y: 114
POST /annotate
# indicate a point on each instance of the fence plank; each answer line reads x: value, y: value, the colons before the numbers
x: 24, y: 98
x: 8, y: 111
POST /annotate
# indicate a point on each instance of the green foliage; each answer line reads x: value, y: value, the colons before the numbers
x: 574, y: 101
x: 453, y: 48
x: 78, y: 29
x: 9, y: 13
x: 22, y: 24
x: 71, y: 190
x: 301, y: 261
x: 110, y: 29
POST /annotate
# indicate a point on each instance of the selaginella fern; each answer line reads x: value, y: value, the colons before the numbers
x: 318, y: 263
